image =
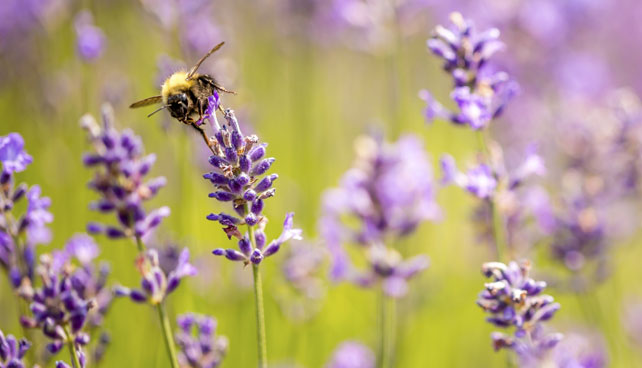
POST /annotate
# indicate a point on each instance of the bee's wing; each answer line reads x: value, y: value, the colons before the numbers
x: 147, y: 101
x: 195, y: 68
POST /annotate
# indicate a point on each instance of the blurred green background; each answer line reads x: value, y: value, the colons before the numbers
x: 308, y: 102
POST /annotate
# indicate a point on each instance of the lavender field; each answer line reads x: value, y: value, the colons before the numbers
x: 343, y: 184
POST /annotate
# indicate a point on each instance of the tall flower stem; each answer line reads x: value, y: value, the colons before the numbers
x: 167, y: 334
x: 164, y: 321
x: 497, y: 222
x: 387, y: 333
x: 258, y: 299
x: 72, y: 349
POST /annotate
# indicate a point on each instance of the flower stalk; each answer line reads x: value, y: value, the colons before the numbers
x: 258, y: 300
x: 167, y: 334
x: 387, y: 333
x: 498, y: 226
x: 170, y: 347
x: 75, y: 361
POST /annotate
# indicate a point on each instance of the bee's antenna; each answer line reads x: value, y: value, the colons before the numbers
x: 195, y: 68
x: 157, y: 110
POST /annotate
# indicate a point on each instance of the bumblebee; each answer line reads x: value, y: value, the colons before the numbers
x: 185, y: 95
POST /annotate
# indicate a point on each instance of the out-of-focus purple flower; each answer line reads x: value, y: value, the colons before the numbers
x: 302, y: 269
x: 479, y: 181
x: 12, y: 154
x: 368, y: 26
x: 88, y: 280
x: 56, y: 307
x: 121, y: 169
x: 157, y: 284
x: 200, y: 346
x: 388, y: 192
x: 577, y: 350
x: 90, y: 40
x: 37, y: 217
x: 239, y: 177
x: 12, y: 351
x: 513, y: 299
x: 352, y: 354
x: 480, y: 93
x: 20, y: 234
x: 178, y: 15
x: 501, y: 189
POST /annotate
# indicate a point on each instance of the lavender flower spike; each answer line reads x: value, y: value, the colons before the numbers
x: 388, y: 193
x: 120, y: 174
x: 479, y: 93
x: 240, y: 177
x: 12, y: 351
x: 157, y: 283
x: 19, y: 234
x: 513, y: 299
x: 57, y: 308
x: 200, y: 346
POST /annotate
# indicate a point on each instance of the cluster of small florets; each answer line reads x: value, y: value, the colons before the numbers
x: 199, y: 344
x: 239, y: 166
x: 20, y: 234
x: 513, y: 299
x: 88, y: 280
x: 239, y: 178
x: 121, y: 169
x: 56, y: 307
x: 479, y: 93
x: 12, y: 351
x: 157, y: 283
x: 388, y: 192
x: 484, y: 180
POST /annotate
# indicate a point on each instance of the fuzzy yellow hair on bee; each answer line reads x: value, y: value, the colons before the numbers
x: 176, y: 83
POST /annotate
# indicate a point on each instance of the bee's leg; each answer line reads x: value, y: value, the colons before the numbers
x: 223, y: 89
x: 205, y: 137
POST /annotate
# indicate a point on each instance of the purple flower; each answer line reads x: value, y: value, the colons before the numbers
x: 90, y: 40
x: 513, y: 299
x: 478, y: 181
x: 240, y: 178
x: 12, y: 351
x: 302, y: 270
x: 37, y: 217
x: 580, y: 349
x: 88, y: 280
x: 352, y: 354
x: 119, y: 178
x: 156, y: 283
x: 199, y: 345
x: 480, y: 93
x: 12, y: 154
x: 56, y: 307
x: 20, y: 234
x: 387, y: 193
x: 248, y: 255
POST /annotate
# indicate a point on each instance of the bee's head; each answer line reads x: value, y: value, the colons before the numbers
x: 178, y: 105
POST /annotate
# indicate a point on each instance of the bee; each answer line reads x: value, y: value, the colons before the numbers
x: 185, y: 95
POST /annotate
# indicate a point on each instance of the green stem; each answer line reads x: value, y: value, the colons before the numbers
x: 387, y: 333
x: 258, y: 299
x: 167, y: 334
x: 140, y: 245
x: 164, y: 321
x: 72, y: 348
x: 498, y: 224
